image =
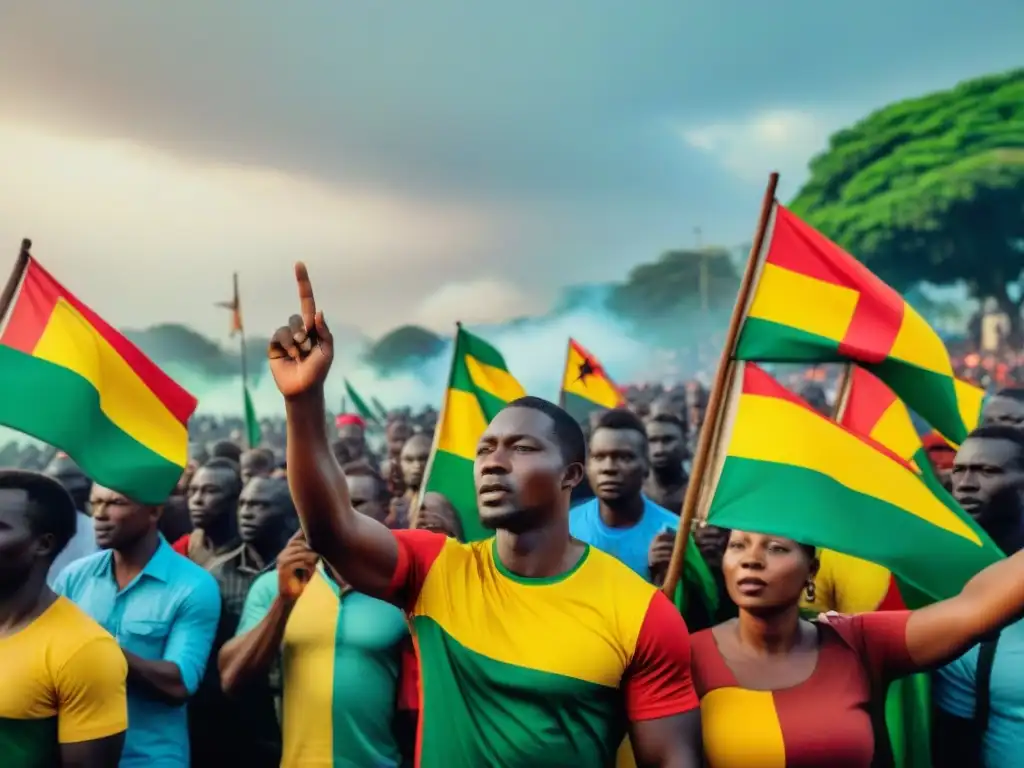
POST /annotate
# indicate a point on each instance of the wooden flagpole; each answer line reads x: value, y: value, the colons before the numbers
x: 20, y: 265
x: 414, y: 514
x: 843, y: 393
x: 716, y: 397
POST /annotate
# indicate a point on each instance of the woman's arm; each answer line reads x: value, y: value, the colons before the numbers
x: 988, y: 602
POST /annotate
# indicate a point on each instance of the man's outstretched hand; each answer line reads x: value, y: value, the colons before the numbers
x: 301, y: 352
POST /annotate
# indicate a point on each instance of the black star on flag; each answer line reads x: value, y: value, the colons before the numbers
x: 587, y: 368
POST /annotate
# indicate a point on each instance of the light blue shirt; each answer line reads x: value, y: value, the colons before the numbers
x: 629, y: 545
x: 168, y: 612
x: 954, y: 689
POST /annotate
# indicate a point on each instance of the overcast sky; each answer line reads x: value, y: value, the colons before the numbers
x: 430, y: 160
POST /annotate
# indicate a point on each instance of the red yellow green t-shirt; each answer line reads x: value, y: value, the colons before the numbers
x: 63, y: 681
x: 535, y: 673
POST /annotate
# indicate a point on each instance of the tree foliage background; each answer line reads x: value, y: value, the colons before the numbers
x: 931, y: 189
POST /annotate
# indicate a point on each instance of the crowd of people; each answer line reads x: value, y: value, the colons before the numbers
x: 303, y: 603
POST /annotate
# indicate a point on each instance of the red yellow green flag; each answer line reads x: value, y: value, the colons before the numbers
x: 585, y: 385
x: 74, y: 382
x: 782, y: 468
x: 815, y: 303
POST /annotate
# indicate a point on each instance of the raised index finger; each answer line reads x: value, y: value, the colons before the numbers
x: 307, y: 304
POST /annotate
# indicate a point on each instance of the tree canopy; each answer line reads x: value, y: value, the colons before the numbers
x: 930, y: 189
x: 676, y: 282
x: 402, y: 348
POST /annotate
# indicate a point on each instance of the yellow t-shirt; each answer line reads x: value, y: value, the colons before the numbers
x: 63, y: 681
x: 847, y: 584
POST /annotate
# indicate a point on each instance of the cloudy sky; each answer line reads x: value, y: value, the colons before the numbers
x: 434, y: 159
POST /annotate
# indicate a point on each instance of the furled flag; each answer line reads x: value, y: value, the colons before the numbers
x: 815, y: 303
x: 253, y: 433
x: 368, y: 414
x: 71, y: 380
x: 585, y: 385
x: 780, y: 467
x: 479, y: 386
x: 378, y: 406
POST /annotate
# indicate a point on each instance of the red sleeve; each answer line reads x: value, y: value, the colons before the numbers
x: 181, y: 545
x: 658, y: 682
x: 409, y: 681
x: 880, y: 638
x: 417, y: 552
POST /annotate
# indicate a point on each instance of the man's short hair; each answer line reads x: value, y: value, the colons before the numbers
x: 568, y: 434
x: 620, y: 419
x: 50, y: 507
x: 225, y: 449
x: 263, y: 458
x: 1011, y: 393
x: 221, y: 462
x: 360, y: 468
x: 669, y: 418
x: 1001, y: 432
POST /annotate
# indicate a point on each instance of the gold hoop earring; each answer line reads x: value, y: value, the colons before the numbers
x: 810, y: 591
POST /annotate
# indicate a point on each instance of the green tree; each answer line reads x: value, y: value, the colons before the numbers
x: 931, y: 189
x: 679, y: 281
x: 403, y: 348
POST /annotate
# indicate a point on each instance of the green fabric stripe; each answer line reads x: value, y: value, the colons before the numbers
x: 932, y: 395
x: 480, y: 712
x: 452, y: 477
x: 378, y: 406
x: 61, y: 408
x: 697, y: 580
x: 252, y: 423
x: 815, y: 509
x: 579, y: 407
x: 908, y: 717
x: 769, y: 342
x: 28, y: 743
x: 360, y: 405
x: 469, y: 345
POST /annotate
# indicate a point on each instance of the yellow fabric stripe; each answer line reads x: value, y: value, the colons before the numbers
x: 463, y: 424
x: 307, y: 659
x: 968, y: 400
x: 494, y: 381
x: 919, y: 345
x: 70, y: 341
x: 593, y: 617
x: 741, y: 729
x: 795, y: 300
x: 895, y: 431
x: 596, y: 389
x: 818, y: 445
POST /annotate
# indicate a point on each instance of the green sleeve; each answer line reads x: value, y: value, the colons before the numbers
x: 257, y: 603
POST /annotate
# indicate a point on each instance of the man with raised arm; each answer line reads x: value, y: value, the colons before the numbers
x: 536, y: 650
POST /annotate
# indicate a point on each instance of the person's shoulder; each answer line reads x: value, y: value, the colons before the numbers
x: 658, y: 513
x: 74, y: 624
x: 187, y: 575
x: 86, y: 566
x: 623, y: 587
x: 265, y: 582
x: 582, y: 513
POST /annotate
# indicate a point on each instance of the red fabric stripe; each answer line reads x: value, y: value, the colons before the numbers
x: 800, y: 248
x: 40, y: 292
x: 756, y: 381
x: 868, y: 400
x: 893, y: 600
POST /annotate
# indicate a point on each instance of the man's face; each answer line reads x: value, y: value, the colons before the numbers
x: 254, y: 464
x: 118, y: 521
x: 211, y: 496
x: 666, y: 444
x: 987, y: 480
x: 398, y: 434
x: 519, y: 471
x: 414, y: 456
x: 366, y: 496
x: 1005, y: 411
x: 261, y: 508
x: 19, y: 547
x: 354, y: 440
x: 617, y: 464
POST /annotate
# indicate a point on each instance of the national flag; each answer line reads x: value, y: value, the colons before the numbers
x: 253, y: 432
x: 480, y: 385
x: 378, y: 406
x: 235, y: 307
x: 71, y: 380
x: 782, y: 468
x: 585, y: 385
x: 815, y: 303
x: 360, y: 405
